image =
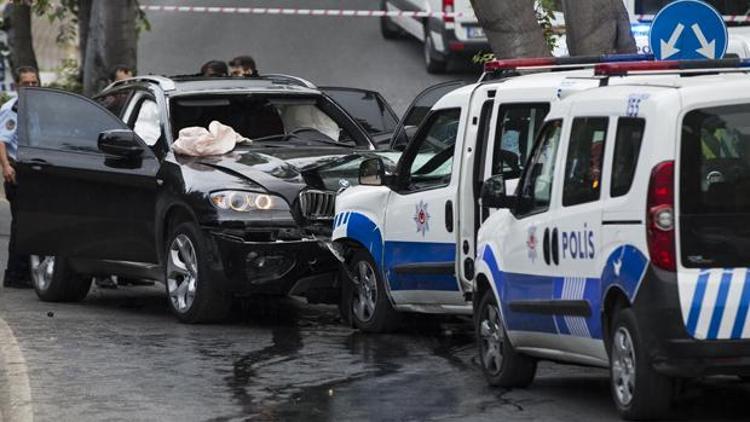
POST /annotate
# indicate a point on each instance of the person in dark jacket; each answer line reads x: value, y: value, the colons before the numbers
x: 17, y: 270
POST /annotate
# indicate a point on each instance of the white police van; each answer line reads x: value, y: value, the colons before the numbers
x: 626, y: 243
x: 443, y: 38
x: 407, y: 232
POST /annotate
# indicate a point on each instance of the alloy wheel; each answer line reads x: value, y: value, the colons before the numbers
x: 492, y: 338
x: 182, y: 273
x: 623, y: 366
x: 365, y: 292
x: 42, y: 271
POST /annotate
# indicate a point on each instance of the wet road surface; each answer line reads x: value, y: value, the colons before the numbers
x: 121, y: 355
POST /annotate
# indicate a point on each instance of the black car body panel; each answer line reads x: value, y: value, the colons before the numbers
x: 108, y: 213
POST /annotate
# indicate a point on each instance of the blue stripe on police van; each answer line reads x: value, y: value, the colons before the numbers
x: 739, y: 322
x: 721, y: 302
x: 695, y: 307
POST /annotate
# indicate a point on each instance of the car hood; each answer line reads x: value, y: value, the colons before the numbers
x: 287, y: 171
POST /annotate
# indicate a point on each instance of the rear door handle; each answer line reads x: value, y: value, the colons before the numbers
x: 37, y: 164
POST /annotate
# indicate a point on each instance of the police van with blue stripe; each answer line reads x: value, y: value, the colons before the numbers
x: 407, y: 232
x: 626, y: 244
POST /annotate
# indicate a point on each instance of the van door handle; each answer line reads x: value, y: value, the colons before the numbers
x: 449, y: 216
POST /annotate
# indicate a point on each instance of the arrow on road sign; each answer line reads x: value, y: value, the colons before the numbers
x: 708, y: 49
x: 668, y: 48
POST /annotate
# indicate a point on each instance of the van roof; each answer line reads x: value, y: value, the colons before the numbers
x: 722, y: 87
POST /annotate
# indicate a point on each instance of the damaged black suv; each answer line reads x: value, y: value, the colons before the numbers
x: 102, y: 193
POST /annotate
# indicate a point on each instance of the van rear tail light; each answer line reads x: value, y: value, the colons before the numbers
x: 449, y: 7
x: 660, y: 217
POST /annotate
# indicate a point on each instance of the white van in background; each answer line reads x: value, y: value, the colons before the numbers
x: 443, y: 38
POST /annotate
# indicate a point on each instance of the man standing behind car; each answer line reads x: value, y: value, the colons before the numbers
x: 17, y: 271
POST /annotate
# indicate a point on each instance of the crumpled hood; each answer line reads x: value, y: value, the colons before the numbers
x: 289, y: 170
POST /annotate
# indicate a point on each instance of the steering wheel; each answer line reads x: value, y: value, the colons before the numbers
x: 307, y: 129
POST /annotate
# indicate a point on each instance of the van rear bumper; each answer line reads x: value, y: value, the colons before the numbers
x: 671, y: 349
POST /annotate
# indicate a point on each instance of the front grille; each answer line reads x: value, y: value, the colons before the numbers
x: 318, y: 205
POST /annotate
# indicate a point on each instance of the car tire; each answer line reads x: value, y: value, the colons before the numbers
x: 432, y: 60
x: 388, y: 29
x: 55, y: 281
x: 371, y: 309
x: 501, y: 364
x: 638, y: 390
x: 192, y: 298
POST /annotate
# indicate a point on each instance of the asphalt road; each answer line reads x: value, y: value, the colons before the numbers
x: 329, y: 51
x: 120, y: 355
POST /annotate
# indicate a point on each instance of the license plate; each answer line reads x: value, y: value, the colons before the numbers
x: 475, y: 32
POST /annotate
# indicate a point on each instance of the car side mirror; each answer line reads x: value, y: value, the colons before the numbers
x: 372, y: 172
x: 120, y: 142
x: 493, y: 194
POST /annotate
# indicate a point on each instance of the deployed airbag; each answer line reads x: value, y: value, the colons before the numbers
x: 218, y: 139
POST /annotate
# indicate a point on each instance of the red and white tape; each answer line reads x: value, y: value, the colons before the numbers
x: 302, y: 12
x: 727, y: 18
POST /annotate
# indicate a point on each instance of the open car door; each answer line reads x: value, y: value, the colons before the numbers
x: 418, y: 110
x: 86, y: 182
x: 369, y: 109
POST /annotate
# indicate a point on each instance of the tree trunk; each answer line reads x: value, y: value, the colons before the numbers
x: 22, y: 53
x: 84, y: 20
x: 598, y: 27
x: 111, y: 40
x: 511, y: 27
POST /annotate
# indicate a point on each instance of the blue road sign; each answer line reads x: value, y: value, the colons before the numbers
x: 689, y: 30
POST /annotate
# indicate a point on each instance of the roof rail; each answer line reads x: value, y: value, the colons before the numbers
x: 503, y: 68
x: 671, y: 67
x: 674, y: 67
x: 288, y: 79
x: 164, y: 83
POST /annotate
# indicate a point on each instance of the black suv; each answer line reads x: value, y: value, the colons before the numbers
x: 101, y: 192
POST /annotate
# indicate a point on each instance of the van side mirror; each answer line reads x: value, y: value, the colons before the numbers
x: 493, y: 194
x: 372, y: 172
x: 120, y: 142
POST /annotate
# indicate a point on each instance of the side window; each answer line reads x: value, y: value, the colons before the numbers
x: 627, y: 150
x: 148, y: 123
x: 430, y: 160
x: 517, y: 127
x: 535, y: 191
x: 63, y: 121
x: 114, y: 102
x: 583, y: 165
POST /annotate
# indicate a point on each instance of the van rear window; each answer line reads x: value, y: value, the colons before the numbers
x: 715, y: 187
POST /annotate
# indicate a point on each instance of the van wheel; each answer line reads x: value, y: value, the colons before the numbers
x: 501, y: 364
x: 639, y: 391
x: 388, y: 29
x: 371, y: 309
x: 432, y: 60
x: 55, y: 281
x: 191, y: 296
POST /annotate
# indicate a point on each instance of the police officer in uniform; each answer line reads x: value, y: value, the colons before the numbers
x: 17, y: 272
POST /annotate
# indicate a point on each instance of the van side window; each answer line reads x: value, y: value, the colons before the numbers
x: 627, y: 150
x: 430, y: 155
x: 583, y: 165
x: 517, y: 127
x: 535, y: 190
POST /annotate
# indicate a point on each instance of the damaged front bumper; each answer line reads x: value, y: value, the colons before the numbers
x: 278, y: 267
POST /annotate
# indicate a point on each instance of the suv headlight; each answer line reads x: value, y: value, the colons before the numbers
x: 242, y: 201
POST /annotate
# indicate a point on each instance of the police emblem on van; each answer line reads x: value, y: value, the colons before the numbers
x: 531, y: 244
x: 422, y: 218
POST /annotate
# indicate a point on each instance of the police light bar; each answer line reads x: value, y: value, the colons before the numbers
x: 674, y: 66
x: 563, y: 62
